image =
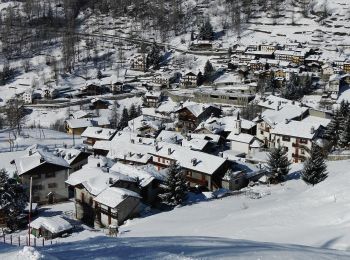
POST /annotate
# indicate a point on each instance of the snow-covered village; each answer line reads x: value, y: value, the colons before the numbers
x: 174, y: 129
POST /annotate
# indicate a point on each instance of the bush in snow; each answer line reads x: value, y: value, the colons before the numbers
x: 12, y: 199
x: 175, y: 188
x: 315, y: 168
x: 278, y: 164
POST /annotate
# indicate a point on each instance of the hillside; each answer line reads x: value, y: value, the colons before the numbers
x: 293, y: 213
x: 107, y: 42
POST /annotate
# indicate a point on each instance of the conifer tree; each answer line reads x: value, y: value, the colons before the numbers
x: 114, y: 115
x: 206, y: 32
x: 132, y: 112
x: 344, y: 136
x: 12, y: 200
x: 124, y: 119
x: 333, y: 129
x: 175, y: 190
x: 278, y: 164
x: 208, y: 71
x: 200, y: 79
x: 315, y: 168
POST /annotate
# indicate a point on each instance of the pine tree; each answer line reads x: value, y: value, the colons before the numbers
x: 99, y: 74
x: 139, y: 110
x: 208, y: 71
x: 333, y: 129
x: 114, y: 115
x: 200, y: 79
x: 278, y: 164
x: 12, y: 199
x: 124, y: 119
x: 206, y: 32
x: 175, y: 190
x: 344, y: 108
x: 315, y: 168
x: 132, y: 112
x: 344, y: 136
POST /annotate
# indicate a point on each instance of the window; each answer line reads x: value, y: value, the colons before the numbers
x: 303, y: 141
x: 163, y: 160
x: 261, y: 132
x: 158, y: 159
x: 50, y: 175
x: 37, y: 187
x: 36, y: 176
x: 302, y: 151
x: 285, y: 149
x: 52, y: 185
x: 286, y: 138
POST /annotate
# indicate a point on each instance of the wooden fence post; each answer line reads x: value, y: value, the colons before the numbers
x: 34, y: 241
x: 4, y: 239
x: 26, y: 241
x: 19, y: 241
x: 11, y: 239
x: 43, y: 243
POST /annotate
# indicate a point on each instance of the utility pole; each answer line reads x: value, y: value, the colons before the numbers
x: 30, y: 207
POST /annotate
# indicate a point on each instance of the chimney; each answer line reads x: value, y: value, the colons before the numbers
x: 287, y: 121
x: 132, y: 141
x: 98, y: 165
x: 69, y: 156
x: 221, y: 154
x: 169, y: 151
x: 194, y: 161
x: 30, y: 152
x: 312, y: 130
x: 111, y: 181
x: 140, y: 140
x: 238, y: 125
x: 189, y: 137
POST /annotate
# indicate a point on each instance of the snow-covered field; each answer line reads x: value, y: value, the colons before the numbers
x: 289, y: 221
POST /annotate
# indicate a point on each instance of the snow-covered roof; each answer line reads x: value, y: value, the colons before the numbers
x: 167, y: 107
x: 38, y: 155
x: 316, y: 121
x: 131, y: 150
x: 288, y: 112
x: 69, y: 154
x: 99, y: 133
x: 55, y: 224
x: 195, y: 108
x: 216, y: 125
x: 144, y: 175
x: 169, y: 137
x: 86, y: 122
x: 95, y: 178
x: 273, y: 102
x: 189, y: 159
x: 195, y: 144
x: 209, y: 137
x: 228, y: 78
x: 297, y: 129
x: 242, y: 138
x: 113, y: 196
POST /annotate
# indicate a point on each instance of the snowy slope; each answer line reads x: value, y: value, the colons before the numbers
x: 172, y: 248
x: 293, y: 214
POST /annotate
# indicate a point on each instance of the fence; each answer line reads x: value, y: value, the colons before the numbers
x: 25, y: 241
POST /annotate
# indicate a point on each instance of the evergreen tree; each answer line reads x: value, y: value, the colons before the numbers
x: 139, y: 110
x: 132, y: 112
x: 315, y: 168
x: 114, y: 115
x: 344, y: 109
x: 206, y: 32
x: 124, y: 119
x: 332, y: 132
x: 12, y: 199
x: 278, y: 164
x: 200, y: 79
x: 175, y: 190
x: 99, y: 74
x: 344, y: 136
x: 154, y: 58
x: 208, y: 71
